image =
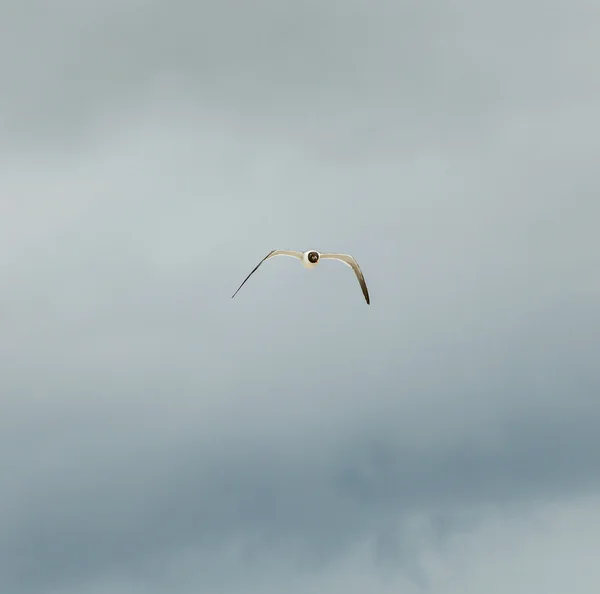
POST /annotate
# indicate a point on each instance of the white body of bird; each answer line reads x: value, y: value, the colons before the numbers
x: 310, y: 259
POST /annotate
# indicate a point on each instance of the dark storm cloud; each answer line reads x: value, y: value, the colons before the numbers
x: 136, y: 489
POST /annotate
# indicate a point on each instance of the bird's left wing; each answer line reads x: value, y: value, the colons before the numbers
x: 350, y: 261
x: 271, y: 254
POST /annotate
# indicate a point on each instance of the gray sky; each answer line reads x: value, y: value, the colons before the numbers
x: 157, y: 436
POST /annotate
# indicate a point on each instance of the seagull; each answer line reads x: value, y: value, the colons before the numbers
x: 310, y: 259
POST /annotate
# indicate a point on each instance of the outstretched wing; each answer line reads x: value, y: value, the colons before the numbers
x: 271, y: 254
x: 350, y: 261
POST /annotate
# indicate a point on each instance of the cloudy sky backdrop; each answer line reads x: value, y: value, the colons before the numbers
x: 157, y: 436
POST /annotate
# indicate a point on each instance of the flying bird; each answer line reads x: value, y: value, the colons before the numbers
x: 310, y: 259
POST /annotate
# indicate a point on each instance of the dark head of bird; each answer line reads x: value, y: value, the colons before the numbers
x: 313, y: 257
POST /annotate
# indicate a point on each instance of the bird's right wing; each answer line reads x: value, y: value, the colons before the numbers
x: 271, y: 254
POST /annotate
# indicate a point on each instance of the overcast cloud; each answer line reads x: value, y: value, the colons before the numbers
x: 157, y: 436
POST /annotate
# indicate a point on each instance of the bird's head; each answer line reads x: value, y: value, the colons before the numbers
x: 310, y: 259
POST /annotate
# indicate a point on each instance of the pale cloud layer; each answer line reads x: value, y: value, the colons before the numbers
x: 159, y: 436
